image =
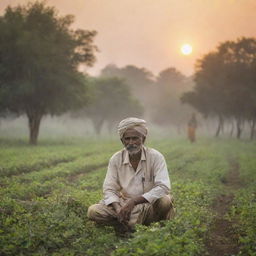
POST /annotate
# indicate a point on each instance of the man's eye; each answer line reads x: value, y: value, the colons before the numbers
x: 131, y: 138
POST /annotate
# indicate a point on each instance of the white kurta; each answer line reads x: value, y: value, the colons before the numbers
x: 150, y: 180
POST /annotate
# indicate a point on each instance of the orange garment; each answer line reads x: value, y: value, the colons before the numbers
x: 192, y: 133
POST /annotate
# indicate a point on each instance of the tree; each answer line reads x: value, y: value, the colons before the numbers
x: 208, y: 96
x: 136, y: 77
x: 39, y: 57
x: 140, y: 80
x: 226, y: 83
x: 111, y: 101
x: 168, y: 110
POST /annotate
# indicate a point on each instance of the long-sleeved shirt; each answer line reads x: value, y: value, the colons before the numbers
x: 150, y: 180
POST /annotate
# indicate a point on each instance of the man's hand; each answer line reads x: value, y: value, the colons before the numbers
x: 125, y: 212
x: 117, y: 207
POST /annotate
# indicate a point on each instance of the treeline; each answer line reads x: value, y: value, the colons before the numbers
x: 226, y: 85
x: 40, y: 55
x: 157, y: 97
x: 39, y: 59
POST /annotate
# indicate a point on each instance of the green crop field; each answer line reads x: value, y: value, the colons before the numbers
x: 46, y: 191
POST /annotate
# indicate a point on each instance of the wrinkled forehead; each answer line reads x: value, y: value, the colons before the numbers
x: 132, y: 133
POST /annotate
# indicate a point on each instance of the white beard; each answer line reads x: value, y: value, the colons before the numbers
x: 134, y: 151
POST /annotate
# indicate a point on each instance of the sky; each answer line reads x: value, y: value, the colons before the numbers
x: 149, y: 33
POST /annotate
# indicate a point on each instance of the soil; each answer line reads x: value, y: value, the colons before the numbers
x: 222, y: 240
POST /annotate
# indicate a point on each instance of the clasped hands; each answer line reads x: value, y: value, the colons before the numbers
x: 124, y: 212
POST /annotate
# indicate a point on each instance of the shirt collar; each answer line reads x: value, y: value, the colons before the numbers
x: 126, y: 155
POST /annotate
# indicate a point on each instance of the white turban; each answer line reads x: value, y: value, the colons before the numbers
x: 132, y: 123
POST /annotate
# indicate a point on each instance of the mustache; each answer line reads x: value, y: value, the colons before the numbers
x: 131, y: 147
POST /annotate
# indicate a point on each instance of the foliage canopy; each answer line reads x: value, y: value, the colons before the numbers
x: 226, y: 83
x: 39, y: 58
x: 111, y: 101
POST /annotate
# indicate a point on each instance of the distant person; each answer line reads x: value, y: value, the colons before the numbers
x: 192, y: 125
x: 137, y: 186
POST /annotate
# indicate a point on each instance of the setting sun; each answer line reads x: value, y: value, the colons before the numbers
x: 186, y: 49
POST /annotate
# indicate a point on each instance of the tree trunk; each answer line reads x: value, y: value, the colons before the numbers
x: 34, y: 119
x: 178, y: 129
x: 222, y: 130
x: 239, y: 128
x: 232, y: 129
x: 97, y: 123
x: 253, y: 129
x: 110, y: 126
x: 220, y: 126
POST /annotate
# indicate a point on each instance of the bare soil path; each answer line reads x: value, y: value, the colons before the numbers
x: 222, y: 239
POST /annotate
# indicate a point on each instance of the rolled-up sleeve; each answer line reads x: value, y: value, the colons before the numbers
x: 162, y: 184
x: 111, y: 187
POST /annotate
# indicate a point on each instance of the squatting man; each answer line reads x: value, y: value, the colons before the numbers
x: 137, y: 185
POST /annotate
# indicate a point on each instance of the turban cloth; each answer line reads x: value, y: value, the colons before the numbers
x: 132, y: 123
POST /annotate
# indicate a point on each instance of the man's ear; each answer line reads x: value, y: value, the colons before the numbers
x: 143, y: 139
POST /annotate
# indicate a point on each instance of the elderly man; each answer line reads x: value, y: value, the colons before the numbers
x: 137, y: 186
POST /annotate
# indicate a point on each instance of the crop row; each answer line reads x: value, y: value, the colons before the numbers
x: 55, y: 223
x: 196, y: 172
x: 44, y: 213
x: 39, y: 184
x: 16, y: 161
x: 244, y: 208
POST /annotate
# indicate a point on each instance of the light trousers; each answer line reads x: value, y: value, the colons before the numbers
x: 161, y: 209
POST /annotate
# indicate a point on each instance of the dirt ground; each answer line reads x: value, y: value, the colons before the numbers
x: 222, y: 239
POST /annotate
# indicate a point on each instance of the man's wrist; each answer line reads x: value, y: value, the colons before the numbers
x: 139, y: 200
x: 116, y: 205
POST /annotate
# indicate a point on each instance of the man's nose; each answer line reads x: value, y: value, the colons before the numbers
x: 131, y: 141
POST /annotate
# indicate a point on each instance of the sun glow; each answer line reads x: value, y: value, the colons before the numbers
x: 186, y: 49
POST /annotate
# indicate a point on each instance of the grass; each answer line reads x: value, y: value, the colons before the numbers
x: 46, y: 191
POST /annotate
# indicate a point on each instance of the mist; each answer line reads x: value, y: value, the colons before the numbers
x: 139, y: 45
x: 66, y: 128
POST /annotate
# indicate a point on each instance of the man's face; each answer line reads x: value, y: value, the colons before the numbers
x: 133, y: 141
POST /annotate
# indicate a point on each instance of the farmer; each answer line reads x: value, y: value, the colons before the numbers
x: 137, y: 186
x: 192, y: 125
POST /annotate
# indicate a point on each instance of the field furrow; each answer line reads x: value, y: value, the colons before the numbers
x: 26, y: 160
x: 43, y: 212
